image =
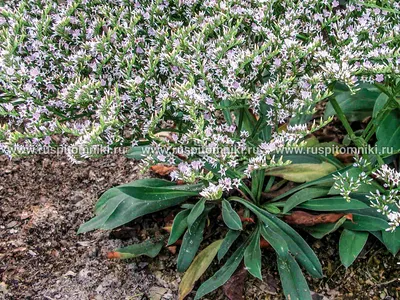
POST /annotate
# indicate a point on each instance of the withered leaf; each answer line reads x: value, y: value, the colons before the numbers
x: 162, y: 170
x: 306, y: 219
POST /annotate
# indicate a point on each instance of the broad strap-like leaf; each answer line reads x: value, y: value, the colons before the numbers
x: 350, y: 245
x: 303, y: 196
x: 178, y: 226
x: 252, y: 255
x: 231, y: 218
x: 294, y: 284
x: 191, y: 242
x: 223, y: 274
x: 229, y: 239
x: 125, y: 203
x: 149, y: 248
x: 199, y: 265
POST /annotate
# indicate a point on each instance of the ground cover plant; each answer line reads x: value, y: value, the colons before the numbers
x: 222, y: 99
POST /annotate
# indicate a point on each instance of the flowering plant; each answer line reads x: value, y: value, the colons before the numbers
x: 217, y: 92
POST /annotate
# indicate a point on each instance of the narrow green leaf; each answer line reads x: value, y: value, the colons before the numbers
x: 303, y: 196
x: 231, y: 218
x: 275, y: 240
x: 197, y: 268
x: 196, y: 211
x: 297, y: 246
x: 191, y: 242
x: 223, y: 274
x: 149, y: 248
x: 293, y: 282
x: 229, y: 239
x: 178, y: 226
x: 333, y: 204
x: 272, y: 208
x: 252, y: 255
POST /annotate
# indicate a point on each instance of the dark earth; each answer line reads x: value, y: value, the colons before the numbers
x: 44, y: 199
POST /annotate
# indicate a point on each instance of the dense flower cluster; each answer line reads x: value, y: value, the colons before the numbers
x: 110, y: 72
x: 388, y: 203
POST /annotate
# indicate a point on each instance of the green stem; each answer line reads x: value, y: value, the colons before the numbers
x: 345, y: 123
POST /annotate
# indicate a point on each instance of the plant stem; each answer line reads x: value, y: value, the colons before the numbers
x: 345, y: 123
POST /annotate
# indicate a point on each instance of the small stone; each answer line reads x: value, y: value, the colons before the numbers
x: 70, y: 274
x: 12, y: 224
x: 156, y: 292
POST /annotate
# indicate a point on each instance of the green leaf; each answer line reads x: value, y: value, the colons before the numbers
x: 138, y: 152
x: 297, y: 246
x: 333, y: 204
x: 252, y: 255
x: 197, y: 268
x: 149, y: 248
x: 356, y: 106
x: 303, y: 196
x: 231, y: 218
x: 388, y: 132
x: 273, y: 209
x: 379, y: 104
x: 302, y: 172
x: 191, y: 242
x: 127, y: 202
x: 223, y: 274
x: 275, y: 240
x: 392, y: 240
x: 350, y: 245
x: 293, y: 282
x: 321, y: 230
x: 196, y: 211
x: 178, y: 226
x: 229, y: 239
x: 365, y: 223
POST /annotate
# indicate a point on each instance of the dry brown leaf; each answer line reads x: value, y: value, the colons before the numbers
x: 264, y: 244
x: 306, y: 219
x: 172, y: 249
x: 234, y: 287
x: 162, y: 170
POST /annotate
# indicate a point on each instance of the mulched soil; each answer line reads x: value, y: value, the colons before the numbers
x: 43, y: 200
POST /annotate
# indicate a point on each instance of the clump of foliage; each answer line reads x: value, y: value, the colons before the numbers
x: 222, y: 94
